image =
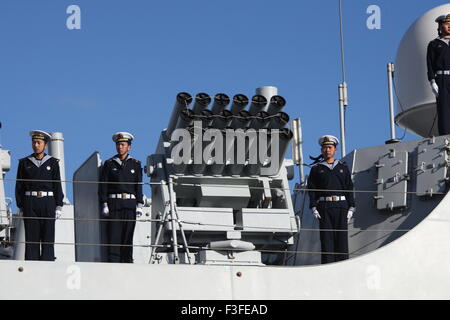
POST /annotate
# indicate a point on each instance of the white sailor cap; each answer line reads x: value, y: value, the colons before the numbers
x: 122, y: 137
x: 443, y: 18
x: 328, y: 140
x: 39, y: 134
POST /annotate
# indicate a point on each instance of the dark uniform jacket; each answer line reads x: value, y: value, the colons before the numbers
x: 114, y: 170
x: 322, y: 177
x: 438, y: 57
x: 49, y: 170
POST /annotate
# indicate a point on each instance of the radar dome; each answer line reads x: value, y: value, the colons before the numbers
x: 416, y: 110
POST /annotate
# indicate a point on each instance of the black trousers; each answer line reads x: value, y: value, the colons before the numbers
x: 120, y: 235
x: 443, y: 104
x: 333, y: 241
x: 39, y: 233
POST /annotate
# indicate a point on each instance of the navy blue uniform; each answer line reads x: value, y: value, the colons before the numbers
x: 39, y: 212
x: 438, y: 58
x: 121, y: 232
x: 333, y: 213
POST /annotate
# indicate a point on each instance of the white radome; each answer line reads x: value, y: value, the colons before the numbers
x: 413, y: 87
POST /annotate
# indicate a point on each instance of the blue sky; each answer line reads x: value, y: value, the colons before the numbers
x: 123, y: 69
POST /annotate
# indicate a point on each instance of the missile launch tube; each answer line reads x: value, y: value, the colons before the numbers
x: 202, y: 100
x: 182, y: 102
x: 241, y: 121
x: 279, y: 120
x: 213, y: 167
x: 206, y: 117
x: 285, y: 136
x: 251, y: 151
x: 240, y: 101
x: 259, y: 103
x: 236, y: 168
x: 221, y: 101
x: 276, y: 104
x: 185, y: 119
x: 184, y: 122
x: 260, y: 121
x: 198, y: 165
x: 217, y: 169
x: 223, y: 120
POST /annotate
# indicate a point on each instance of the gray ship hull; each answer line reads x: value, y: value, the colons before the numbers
x: 415, y: 266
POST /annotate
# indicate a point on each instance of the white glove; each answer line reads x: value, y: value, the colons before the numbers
x: 138, y: 212
x: 58, y: 214
x: 349, y: 215
x: 316, y: 213
x: 105, y: 210
x: 434, y: 88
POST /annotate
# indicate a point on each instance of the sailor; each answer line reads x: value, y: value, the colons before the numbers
x: 40, y: 198
x: 122, y: 199
x: 438, y: 63
x: 329, y: 201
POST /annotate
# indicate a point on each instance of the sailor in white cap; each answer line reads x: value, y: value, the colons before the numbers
x: 330, y: 201
x: 40, y: 198
x: 121, y: 200
x: 438, y: 64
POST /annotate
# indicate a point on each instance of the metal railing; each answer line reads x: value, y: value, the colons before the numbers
x: 180, y: 221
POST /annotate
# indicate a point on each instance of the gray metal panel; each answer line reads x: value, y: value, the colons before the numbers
x: 142, y: 237
x: 64, y: 233
x: 205, y: 219
x: 392, y: 180
x: 369, y: 228
x: 431, y: 169
x: 266, y: 220
x: 5, y: 165
x: 86, y: 203
x: 209, y: 257
x: 3, y: 212
x: 223, y: 196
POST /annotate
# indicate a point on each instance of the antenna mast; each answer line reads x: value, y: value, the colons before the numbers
x: 343, y: 97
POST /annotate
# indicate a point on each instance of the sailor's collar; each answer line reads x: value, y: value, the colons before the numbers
x: 117, y: 159
x: 37, y: 162
x: 329, y: 165
x: 446, y: 41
